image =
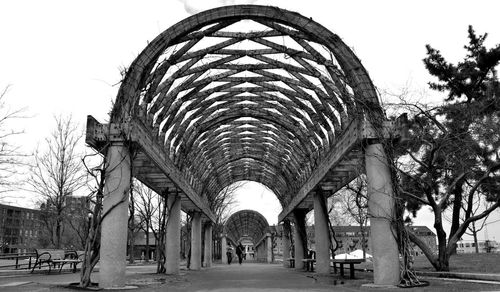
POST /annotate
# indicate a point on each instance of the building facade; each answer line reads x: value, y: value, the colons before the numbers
x: 19, y: 229
x: 484, y: 246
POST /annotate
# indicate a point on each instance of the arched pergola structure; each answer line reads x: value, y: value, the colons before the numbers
x: 245, y: 93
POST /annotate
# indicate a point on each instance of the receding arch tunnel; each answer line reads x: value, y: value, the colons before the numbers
x: 246, y: 224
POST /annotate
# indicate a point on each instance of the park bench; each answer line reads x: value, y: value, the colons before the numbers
x: 292, y: 262
x: 56, y: 257
x: 342, y: 262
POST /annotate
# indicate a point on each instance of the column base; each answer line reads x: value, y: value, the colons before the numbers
x: 373, y: 285
x: 127, y: 287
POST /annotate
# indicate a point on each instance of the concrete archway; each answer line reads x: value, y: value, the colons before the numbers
x: 245, y: 93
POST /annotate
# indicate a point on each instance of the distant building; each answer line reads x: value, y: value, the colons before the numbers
x: 140, y: 245
x: 484, y: 246
x: 19, y: 229
x: 80, y: 204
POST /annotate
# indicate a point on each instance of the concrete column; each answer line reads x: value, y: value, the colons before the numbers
x: 114, y: 226
x: 321, y: 234
x: 269, y: 245
x: 196, y: 241
x: 208, y: 245
x: 381, y: 210
x: 173, y: 234
x: 298, y: 248
x: 224, y: 249
x: 286, y: 243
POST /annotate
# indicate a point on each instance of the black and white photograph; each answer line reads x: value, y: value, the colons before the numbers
x: 249, y: 145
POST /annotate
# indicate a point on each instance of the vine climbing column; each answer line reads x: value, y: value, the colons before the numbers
x: 115, y: 215
x: 381, y: 207
x: 321, y: 234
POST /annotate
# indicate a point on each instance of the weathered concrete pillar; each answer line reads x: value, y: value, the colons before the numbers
x: 298, y: 249
x: 114, y: 226
x: 224, y: 248
x: 208, y: 245
x: 381, y: 211
x: 196, y: 241
x: 285, y: 239
x: 298, y: 237
x: 269, y: 248
x: 173, y: 234
x: 321, y: 234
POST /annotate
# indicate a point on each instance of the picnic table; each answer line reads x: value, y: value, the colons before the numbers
x: 342, y: 262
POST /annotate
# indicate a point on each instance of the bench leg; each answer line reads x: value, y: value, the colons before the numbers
x: 341, y: 269
x: 34, y: 266
x: 351, y: 273
x: 61, y: 265
x: 335, y: 268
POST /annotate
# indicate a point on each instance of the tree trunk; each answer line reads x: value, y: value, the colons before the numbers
x: 474, y: 234
x: 58, y: 231
x: 440, y: 262
x: 131, y: 246
x: 147, y: 257
x: 363, y: 240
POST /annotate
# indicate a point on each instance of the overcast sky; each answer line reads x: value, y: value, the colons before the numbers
x: 65, y: 57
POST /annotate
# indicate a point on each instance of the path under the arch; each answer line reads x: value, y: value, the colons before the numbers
x: 262, y: 277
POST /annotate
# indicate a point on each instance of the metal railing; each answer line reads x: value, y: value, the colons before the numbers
x: 17, y: 261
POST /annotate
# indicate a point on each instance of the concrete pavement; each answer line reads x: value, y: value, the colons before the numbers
x: 222, y: 278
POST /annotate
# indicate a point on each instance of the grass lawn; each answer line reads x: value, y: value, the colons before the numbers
x: 469, y: 263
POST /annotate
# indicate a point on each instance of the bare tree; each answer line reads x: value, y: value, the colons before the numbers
x: 355, y: 205
x: 147, y: 206
x: 57, y: 173
x: 11, y: 159
x: 134, y: 224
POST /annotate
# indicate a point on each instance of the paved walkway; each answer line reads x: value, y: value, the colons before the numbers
x: 222, y: 278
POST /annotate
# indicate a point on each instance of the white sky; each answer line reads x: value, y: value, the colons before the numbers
x: 64, y: 57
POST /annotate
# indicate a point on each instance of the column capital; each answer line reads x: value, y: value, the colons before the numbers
x: 97, y: 134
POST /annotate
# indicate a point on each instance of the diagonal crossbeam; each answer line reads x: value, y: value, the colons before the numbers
x: 344, y: 144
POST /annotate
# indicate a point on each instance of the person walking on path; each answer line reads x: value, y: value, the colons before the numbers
x: 229, y: 254
x: 239, y: 252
